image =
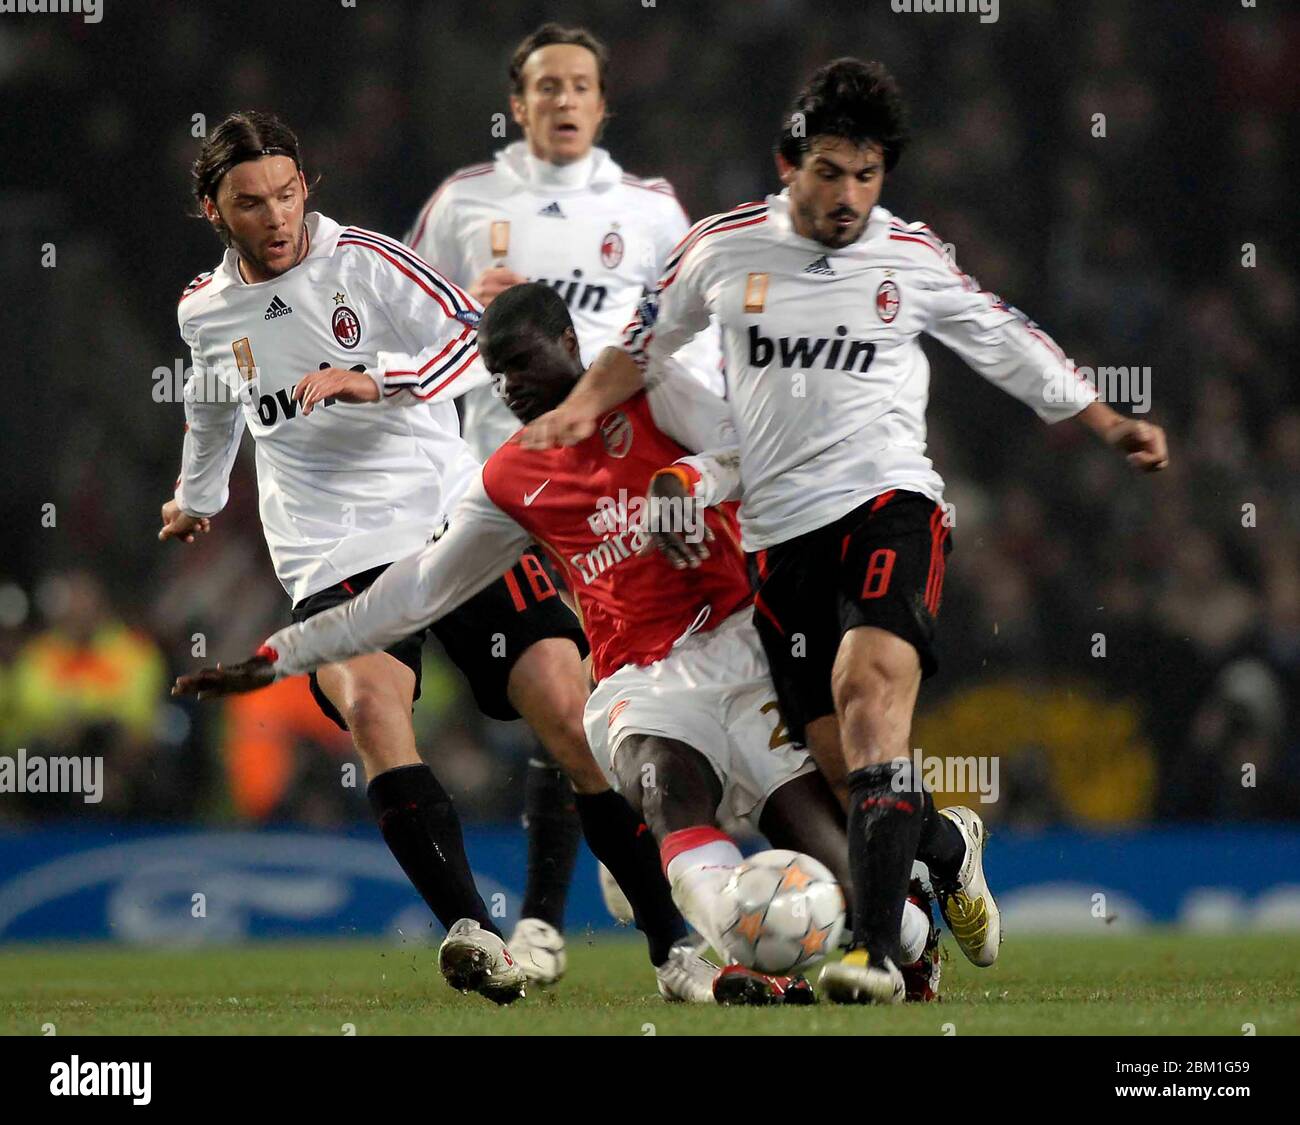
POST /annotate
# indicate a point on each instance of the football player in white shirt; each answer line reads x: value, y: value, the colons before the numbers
x: 555, y: 208
x: 340, y: 350
x: 822, y: 297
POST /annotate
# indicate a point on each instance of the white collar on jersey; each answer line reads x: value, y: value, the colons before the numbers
x: 596, y: 169
x: 778, y: 216
x: 322, y: 240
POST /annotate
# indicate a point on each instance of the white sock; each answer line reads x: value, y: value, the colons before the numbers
x: 698, y: 862
x: 916, y: 929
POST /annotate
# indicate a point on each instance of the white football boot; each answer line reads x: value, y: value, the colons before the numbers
x: 966, y: 902
x: 921, y: 977
x: 473, y: 959
x: 686, y: 976
x: 615, y: 900
x: 538, y: 949
x: 854, y: 980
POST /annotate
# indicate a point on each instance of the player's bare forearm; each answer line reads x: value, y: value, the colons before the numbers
x: 1143, y: 443
x: 613, y: 378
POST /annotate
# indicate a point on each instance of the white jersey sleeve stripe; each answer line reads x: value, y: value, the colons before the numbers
x: 711, y: 226
x: 395, y: 263
x: 931, y: 240
x: 469, y: 360
x: 464, y: 174
x: 637, y: 336
x: 422, y: 376
x: 460, y: 302
x: 454, y: 291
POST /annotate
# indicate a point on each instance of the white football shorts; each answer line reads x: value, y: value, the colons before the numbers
x: 714, y: 692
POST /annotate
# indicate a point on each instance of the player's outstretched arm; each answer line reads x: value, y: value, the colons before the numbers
x: 482, y: 544
x: 1143, y: 443
x: 613, y: 378
x: 228, y: 679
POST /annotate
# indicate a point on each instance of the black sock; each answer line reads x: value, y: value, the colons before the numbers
x: 553, y: 833
x: 941, y: 847
x: 421, y: 828
x: 884, y: 824
x: 619, y: 839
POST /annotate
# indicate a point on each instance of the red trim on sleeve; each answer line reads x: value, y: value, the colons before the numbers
x: 667, y: 281
x: 454, y: 375
x: 402, y: 269
x: 191, y: 292
x: 451, y: 344
x: 464, y: 174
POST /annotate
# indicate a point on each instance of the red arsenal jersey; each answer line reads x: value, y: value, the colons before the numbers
x: 584, y: 506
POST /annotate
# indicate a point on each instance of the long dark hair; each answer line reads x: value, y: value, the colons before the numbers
x: 247, y: 135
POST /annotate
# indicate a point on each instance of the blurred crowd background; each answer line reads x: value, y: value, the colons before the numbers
x: 1128, y: 648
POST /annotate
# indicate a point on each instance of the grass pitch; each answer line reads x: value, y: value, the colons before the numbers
x: 1161, y: 984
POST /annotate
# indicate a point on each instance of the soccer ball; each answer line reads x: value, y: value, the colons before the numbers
x: 783, y: 913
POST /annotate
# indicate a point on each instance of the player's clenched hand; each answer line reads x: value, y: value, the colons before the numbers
x: 177, y: 525
x: 675, y: 523
x: 232, y: 679
x: 491, y: 282
x: 335, y: 383
x: 1143, y: 442
x: 559, y: 427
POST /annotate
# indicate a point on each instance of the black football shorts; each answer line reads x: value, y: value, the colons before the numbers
x: 880, y: 565
x: 484, y: 637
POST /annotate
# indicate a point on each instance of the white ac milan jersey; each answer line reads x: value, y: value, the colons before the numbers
x: 595, y: 234
x: 350, y: 486
x: 826, y: 377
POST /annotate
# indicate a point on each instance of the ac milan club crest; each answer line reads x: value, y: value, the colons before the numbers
x: 347, y: 328
x: 616, y: 433
x: 611, y: 250
x: 887, y: 301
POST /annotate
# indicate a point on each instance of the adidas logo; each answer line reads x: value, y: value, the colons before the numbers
x: 819, y: 265
x: 276, y: 308
x: 553, y: 210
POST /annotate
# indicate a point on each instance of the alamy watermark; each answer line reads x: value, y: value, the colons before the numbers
x: 633, y: 515
x: 625, y: 523
x: 1127, y: 385
x: 948, y: 774
x: 90, y: 11
x: 987, y: 10
x: 54, y: 774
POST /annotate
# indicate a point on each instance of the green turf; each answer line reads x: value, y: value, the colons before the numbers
x: 1160, y: 984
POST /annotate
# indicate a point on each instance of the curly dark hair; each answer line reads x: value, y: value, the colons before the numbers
x: 859, y: 101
